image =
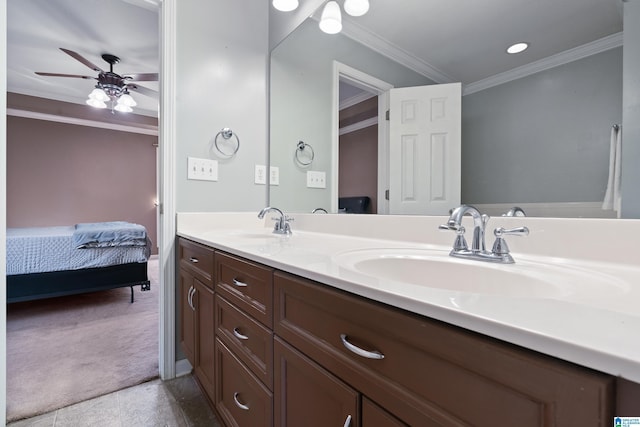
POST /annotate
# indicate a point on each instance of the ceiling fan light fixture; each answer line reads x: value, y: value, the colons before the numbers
x: 127, y: 100
x: 123, y: 108
x: 356, y: 7
x: 95, y: 103
x: 285, y: 5
x: 99, y: 95
x: 331, y: 19
x: 517, y: 48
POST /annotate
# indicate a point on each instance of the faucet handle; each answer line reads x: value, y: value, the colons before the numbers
x: 500, y: 245
x: 460, y: 244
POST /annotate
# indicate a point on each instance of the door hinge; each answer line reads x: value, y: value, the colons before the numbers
x: 386, y: 115
x: 386, y: 194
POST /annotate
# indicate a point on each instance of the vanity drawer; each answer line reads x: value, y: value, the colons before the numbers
x: 246, y: 285
x: 249, y: 340
x: 198, y: 259
x: 425, y: 372
x: 241, y: 399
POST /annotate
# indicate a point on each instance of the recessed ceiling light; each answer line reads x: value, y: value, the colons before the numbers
x: 517, y: 48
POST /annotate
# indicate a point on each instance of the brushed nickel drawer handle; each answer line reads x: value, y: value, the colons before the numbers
x: 239, y: 283
x: 193, y: 293
x: 238, y: 404
x: 194, y: 260
x: 347, y: 422
x: 359, y: 351
x: 239, y: 335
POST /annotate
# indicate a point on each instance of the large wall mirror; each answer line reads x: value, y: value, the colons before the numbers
x: 536, y: 128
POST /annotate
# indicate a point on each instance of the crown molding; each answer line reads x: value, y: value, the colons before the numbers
x: 391, y: 51
x: 597, y: 46
x: 355, y: 99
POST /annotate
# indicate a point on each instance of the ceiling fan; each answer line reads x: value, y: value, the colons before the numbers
x: 110, y: 87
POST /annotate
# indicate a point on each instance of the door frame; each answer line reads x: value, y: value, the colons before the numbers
x: 374, y: 85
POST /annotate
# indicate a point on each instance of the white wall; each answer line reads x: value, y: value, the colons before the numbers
x: 222, y: 58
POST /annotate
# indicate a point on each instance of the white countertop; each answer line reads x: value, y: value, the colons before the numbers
x: 596, y: 325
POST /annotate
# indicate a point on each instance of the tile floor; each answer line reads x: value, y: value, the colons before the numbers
x: 174, y: 403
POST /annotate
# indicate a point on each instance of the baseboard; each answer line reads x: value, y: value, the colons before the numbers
x: 183, y: 367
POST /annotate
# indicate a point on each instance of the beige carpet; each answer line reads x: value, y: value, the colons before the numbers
x: 65, y: 350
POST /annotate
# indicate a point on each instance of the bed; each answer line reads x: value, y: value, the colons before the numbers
x: 44, y: 262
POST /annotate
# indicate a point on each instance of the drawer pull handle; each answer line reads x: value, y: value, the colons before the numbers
x: 238, y: 404
x: 194, y: 260
x: 191, y: 294
x: 347, y: 422
x: 359, y: 351
x: 239, y: 284
x: 239, y: 335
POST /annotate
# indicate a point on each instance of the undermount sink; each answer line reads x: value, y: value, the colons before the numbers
x: 436, y: 269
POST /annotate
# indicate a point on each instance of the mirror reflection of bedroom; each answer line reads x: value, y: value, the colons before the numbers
x: 82, y: 266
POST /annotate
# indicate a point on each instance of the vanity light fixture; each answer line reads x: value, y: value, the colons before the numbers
x: 285, y: 5
x: 331, y: 19
x: 356, y: 7
x: 517, y: 48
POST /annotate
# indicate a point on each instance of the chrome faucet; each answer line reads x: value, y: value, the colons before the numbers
x: 282, y: 225
x: 500, y: 250
x: 515, y: 211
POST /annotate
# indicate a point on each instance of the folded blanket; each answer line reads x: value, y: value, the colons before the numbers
x: 108, y: 234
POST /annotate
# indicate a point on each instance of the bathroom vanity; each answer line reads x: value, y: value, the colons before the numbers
x: 286, y: 330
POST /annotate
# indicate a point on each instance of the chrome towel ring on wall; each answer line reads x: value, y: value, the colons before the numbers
x: 304, y: 153
x: 226, y: 135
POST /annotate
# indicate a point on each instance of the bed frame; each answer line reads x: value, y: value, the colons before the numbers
x: 27, y: 287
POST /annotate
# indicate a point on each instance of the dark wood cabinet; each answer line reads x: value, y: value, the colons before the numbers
x: 309, y: 395
x: 197, y: 328
x: 273, y: 348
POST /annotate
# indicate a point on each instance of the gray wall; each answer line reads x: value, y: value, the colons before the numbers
x: 631, y: 118
x: 222, y: 64
x: 544, y: 137
x: 222, y: 57
x: 301, y: 97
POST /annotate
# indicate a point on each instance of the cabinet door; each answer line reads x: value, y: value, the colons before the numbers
x: 374, y: 416
x: 204, y: 368
x: 308, y: 395
x: 187, y: 317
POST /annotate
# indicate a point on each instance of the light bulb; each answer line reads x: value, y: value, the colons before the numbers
x: 285, y: 5
x: 126, y: 99
x: 517, y: 48
x: 123, y: 108
x: 99, y: 95
x: 96, y: 103
x: 331, y: 20
x: 356, y: 7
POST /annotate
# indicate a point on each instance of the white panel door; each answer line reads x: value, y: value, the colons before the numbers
x: 424, y: 149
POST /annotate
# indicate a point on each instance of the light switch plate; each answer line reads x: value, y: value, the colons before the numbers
x: 260, y: 174
x: 274, y: 177
x: 316, y: 179
x: 202, y: 169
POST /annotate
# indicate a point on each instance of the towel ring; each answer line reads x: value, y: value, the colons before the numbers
x: 226, y: 134
x: 301, y: 147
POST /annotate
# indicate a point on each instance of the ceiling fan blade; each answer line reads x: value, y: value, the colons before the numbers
x: 143, y: 77
x: 143, y: 90
x: 82, y: 59
x: 77, y: 76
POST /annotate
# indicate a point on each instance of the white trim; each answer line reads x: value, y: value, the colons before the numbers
x: 369, y: 83
x: 360, y: 125
x: 150, y: 130
x: 355, y: 99
x: 551, y: 210
x: 166, y: 193
x: 391, y: 51
x: 598, y: 46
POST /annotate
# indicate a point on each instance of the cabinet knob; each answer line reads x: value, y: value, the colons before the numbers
x: 237, y: 402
